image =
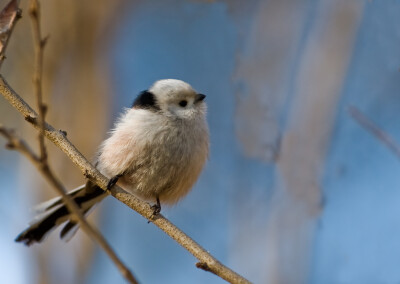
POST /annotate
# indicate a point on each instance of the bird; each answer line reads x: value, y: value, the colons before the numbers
x: 155, y: 151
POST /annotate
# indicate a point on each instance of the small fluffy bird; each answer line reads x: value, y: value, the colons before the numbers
x: 156, y: 151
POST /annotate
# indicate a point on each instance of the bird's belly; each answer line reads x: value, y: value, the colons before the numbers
x: 168, y: 175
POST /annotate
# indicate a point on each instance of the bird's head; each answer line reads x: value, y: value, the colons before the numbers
x: 173, y: 98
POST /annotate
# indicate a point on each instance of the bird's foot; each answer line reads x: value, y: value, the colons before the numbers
x: 156, y: 209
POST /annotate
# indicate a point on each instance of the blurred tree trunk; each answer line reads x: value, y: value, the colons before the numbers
x: 292, y: 62
x: 297, y: 200
x: 270, y: 33
x: 264, y: 65
x: 76, y: 87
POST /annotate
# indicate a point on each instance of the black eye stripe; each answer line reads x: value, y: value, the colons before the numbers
x: 183, y: 103
x: 146, y: 100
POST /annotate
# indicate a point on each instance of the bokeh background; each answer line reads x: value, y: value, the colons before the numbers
x: 295, y: 191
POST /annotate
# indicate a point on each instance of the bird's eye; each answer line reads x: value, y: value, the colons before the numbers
x: 183, y: 103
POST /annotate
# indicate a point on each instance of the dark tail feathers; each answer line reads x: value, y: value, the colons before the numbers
x: 57, y: 213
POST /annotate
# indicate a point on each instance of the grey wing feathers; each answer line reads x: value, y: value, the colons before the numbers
x: 47, y: 205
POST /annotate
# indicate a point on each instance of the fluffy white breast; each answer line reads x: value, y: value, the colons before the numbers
x: 157, y: 155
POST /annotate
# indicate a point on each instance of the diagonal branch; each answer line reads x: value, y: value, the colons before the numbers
x: 381, y: 135
x: 143, y: 208
x: 15, y: 143
x: 8, y: 17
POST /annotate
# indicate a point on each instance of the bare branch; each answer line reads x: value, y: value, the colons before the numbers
x: 42, y: 162
x: 39, y: 43
x: 381, y: 135
x: 143, y: 208
x: 15, y: 143
x: 8, y: 17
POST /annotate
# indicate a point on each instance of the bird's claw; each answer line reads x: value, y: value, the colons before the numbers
x: 156, y: 210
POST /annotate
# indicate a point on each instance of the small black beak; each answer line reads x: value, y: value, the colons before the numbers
x: 200, y: 97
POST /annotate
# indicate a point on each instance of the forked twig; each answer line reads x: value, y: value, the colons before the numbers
x: 41, y: 161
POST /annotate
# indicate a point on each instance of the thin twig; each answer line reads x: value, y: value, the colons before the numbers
x: 381, y: 135
x: 143, y: 208
x: 41, y: 161
x: 15, y: 143
x: 39, y: 43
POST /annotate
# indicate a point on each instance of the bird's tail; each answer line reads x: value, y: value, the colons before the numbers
x: 54, y: 212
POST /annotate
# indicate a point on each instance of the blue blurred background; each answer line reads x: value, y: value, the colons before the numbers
x: 295, y: 190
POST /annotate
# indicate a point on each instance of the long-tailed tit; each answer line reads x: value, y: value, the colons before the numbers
x: 156, y: 151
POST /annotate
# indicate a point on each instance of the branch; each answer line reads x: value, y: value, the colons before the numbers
x: 15, y: 143
x: 381, y: 135
x: 143, y: 208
